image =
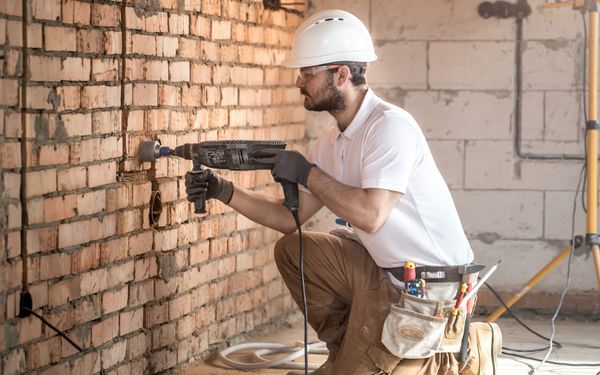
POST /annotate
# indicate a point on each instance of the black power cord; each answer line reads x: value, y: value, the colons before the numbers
x: 303, y: 287
x: 506, y: 350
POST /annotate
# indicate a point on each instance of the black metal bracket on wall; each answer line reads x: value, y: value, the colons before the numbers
x: 504, y: 9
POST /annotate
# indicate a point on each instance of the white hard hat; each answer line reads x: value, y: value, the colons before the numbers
x: 330, y: 36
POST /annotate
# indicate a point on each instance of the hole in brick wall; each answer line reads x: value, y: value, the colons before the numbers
x: 156, y: 207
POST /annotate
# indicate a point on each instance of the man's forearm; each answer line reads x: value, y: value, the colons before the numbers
x: 358, y: 206
x: 265, y: 210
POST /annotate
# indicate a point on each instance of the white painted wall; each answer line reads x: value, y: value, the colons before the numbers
x: 455, y: 72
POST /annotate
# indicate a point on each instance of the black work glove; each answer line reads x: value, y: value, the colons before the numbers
x: 287, y: 165
x: 197, y: 182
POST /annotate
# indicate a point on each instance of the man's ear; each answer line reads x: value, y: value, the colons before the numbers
x: 343, y: 75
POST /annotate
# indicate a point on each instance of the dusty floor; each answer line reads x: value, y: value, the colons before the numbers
x: 580, y: 340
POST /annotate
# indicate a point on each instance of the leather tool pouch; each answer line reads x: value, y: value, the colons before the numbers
x: 419, y: 328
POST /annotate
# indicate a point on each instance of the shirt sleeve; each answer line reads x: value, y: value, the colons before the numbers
x: 391, y: 152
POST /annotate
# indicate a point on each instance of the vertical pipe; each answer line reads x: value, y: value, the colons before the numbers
x: 592, y: 137
x: 23, y: 105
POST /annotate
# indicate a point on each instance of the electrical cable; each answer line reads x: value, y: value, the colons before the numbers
x: 568, y: 283
x: 271, y: 348
x: 303, y: 287
x: 53, y: 328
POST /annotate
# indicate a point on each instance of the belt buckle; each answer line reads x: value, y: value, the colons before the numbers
x: 433, y: 275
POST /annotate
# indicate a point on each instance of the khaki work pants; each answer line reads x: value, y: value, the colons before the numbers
x: 348, y: 299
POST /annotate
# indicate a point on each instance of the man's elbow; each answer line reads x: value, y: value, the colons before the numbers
x: 372, y: 226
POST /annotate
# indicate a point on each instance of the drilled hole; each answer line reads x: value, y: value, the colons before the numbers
x: 155, y: 208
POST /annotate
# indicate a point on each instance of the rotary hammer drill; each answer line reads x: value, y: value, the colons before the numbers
x: 232, y: 155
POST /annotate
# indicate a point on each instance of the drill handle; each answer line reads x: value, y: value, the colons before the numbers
x: 200, y: 203
x: 290, y: 192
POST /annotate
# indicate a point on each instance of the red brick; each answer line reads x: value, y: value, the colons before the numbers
x: 9, y: 93
x: 76, y: 69
x: 131, y: 321
x: 115, y: 300
x: 145, y: 94
x: 105, y: 331
x: 90, y: 41
x: 106, y: 15
x: 13, y: 8
x: 120, y: 274
x: 88, y: 363
x: 45, y: 9
x: 106, y: 122
x: 85, y: 259
x: 140, y: 243
x: 221, y: 30
x: 71, y: 178
x: 185, y: 328
x: 117, y: 198
x: 179, y: 307
x: 158, y: 23
x: 169, y: 95
x: 70, y: 97
x: 100, y: 97
x: 145, y: 268
x: 94, y: 281
x: 143, y: 44
x: 91, y: 203
x: 113, y: 42
x: 40, y: 239
x: 164, y: 335
x: 59, y: 208
x: 44, y: 353
x: 129, y: 221
x: 45, y: 68
x: 88, y: 309
x: 141, y: 293
x: 114, y: 354
x: 212, y: 7
x: 77, y: 124
x: 179, y: 24
x: 113, y: 250
x: 156, y: 314
x: 10, y: 155
x: 60, y: 39
x: 138, y: 345
x: 200, y: 26
x: 14, y: 362
x: 179, y: 71
x: 63, y: 292
x: 165, y: 240
x: 105, y: 70
x: 100, y: 149
x: 59, y: 369
x: 166, y: 46
x: 55, y: 265
x: 41, y: 182
x: 76, y: 12
x: 102, y: 174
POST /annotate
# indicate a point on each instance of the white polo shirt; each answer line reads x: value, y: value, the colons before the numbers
x: 384, y: 147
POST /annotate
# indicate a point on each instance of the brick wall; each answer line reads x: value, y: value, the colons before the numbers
x: 101, y: 76
x: 455, y: 72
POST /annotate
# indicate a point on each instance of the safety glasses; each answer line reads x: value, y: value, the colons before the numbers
x: 307, y: 73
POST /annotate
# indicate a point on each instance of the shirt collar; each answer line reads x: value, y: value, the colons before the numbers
x: 366, y: 107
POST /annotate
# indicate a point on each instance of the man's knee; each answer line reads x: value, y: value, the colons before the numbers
x: 286, y: 248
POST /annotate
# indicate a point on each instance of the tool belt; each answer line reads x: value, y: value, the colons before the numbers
x: 431, y: 274
x: 419, y: 328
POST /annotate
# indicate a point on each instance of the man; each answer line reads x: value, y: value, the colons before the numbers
x: 375, y: 171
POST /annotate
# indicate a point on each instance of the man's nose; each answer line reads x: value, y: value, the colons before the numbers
x: 299, y: 82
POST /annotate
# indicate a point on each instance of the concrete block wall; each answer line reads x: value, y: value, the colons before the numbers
x: 456, y: 73
x: 82, y: 83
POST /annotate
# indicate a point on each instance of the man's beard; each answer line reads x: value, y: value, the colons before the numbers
x: 332, y: 101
